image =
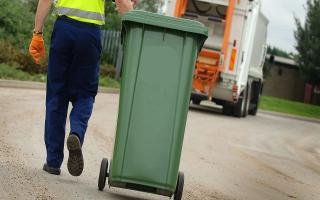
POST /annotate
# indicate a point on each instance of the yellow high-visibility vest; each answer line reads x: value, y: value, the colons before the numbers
x: 90, y: 11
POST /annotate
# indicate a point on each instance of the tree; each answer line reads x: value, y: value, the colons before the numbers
x: 113, y: 20
x: 16, y: 23
x: 150, y: 5
x: 279, y: 52
x: 16, y: 26
x: 308, y: 43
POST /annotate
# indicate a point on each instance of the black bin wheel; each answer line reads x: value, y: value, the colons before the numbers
x: 179, y: 187
x: 103, y: 174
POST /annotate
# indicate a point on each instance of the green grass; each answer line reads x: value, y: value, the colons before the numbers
x: 12, y: 73
x: 106, y: 81
x: 289, y: 107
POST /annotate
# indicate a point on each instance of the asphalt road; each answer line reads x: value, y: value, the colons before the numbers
x: 225, y: 158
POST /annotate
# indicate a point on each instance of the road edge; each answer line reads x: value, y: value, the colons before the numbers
x: 284, y: 115
x: 42, y: 86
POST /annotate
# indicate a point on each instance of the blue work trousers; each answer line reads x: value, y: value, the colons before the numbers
x: 73, y: 76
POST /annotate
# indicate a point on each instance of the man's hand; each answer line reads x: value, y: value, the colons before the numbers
x: 134, y: 2
x: 124, y: 6
x: 36, y: 48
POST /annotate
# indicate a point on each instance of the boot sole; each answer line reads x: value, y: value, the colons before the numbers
x: 75, y: 160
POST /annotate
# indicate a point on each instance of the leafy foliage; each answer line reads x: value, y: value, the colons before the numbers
x: 113, y: 20
x: 149, y: 5
x: 308, y: 43
x: 16, y: 22
x: 16, y: 25
x: 20, y: 58
x: 279, y: 52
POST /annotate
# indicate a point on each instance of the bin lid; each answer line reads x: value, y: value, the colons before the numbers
x: 181, y: 24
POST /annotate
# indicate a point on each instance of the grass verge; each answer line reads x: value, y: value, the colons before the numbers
x: 289, y: 107
x: 106, y: 81
x: 12, y: 73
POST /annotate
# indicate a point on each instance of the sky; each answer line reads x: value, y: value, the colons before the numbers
x: 282, y: 25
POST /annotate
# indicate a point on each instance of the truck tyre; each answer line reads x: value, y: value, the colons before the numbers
x: 255, y: 101
x: 247, y: 101
x: 196, y: 101
x: 238, y: 110
x: 227, y: 109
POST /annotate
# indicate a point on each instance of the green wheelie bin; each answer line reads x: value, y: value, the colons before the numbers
x: 159, y: 59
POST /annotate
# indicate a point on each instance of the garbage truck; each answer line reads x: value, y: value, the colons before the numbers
x: 229, y: 69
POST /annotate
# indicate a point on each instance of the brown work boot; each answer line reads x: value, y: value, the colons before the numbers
x: 51, y: 170
x: 75, y: 160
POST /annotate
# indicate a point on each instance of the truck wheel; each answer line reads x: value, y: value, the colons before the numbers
x: 254, y: 104
x: 196, y: 101
x: 179, y: 187
x: 103, y: 174
x: 227, y: 109
x: 247, y: 101
x: 255, y: 107
x: 238, y: 110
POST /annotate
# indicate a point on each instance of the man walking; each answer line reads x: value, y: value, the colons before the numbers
x: 73, y: 73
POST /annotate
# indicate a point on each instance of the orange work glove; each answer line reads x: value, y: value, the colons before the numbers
x: 36, y: 48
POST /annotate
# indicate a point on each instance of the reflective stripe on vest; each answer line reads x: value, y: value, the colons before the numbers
x: 79, y: 13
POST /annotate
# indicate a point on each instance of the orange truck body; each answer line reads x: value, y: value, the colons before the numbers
x: 230, y: 64
x: 208, y: 65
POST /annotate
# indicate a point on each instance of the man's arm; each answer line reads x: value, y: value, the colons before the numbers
x: 36, y: 48
x: 43, y: 10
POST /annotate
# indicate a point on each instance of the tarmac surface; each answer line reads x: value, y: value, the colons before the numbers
x: 223, y: 158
